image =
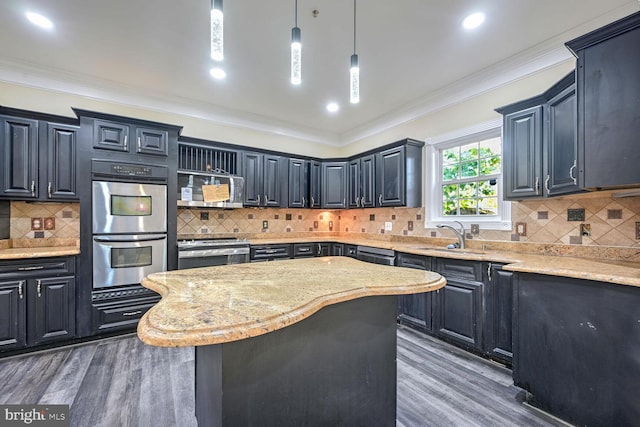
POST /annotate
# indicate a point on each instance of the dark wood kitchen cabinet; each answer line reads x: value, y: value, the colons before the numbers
x: 298, y: 183
x: 416, y: 310
x: 38, y: 159
x: 265, y: 179
x: 399, y: 175
x: 498, y: 316
x: 37, y: 301
x: 362, y: 182
x: 334, y: 185
x: 337, y: 249
x: 129, y: 138
x: 315, y: 184
x: 608, y: 108
x: 540, y: 145
x: 458, y: 312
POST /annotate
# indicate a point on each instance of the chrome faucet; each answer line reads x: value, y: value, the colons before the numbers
x: 459, y: 233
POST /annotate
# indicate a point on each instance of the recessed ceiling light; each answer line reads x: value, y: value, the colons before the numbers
x: 217, y: 73
x: 473, y: 21
x: 332, y: 107
x: 39, y: 20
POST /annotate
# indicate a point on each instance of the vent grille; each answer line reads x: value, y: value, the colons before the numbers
x: 207, y: 159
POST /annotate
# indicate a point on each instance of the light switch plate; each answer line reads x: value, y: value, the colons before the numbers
x: 388, y: 226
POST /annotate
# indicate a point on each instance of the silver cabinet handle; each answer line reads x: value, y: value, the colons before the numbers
x: 20, y: 285
x: 344, y: 202
x: 35, y: 267
x: 546, y: 183
x: 571, y: 169
x: 49, y: 189
x: 537, y: 186
x: 380, y: 200
x: 39, y: 288
x: 489, y: 271
x: 126, y: 142
x: 139, y: 144
x: 258, y: 200
x: 132, y: 313
x: 362, y: 201
x: 313, y: 202
x: 319, y: 249
x: 266, y: 200
x: 33, y: 189
x: 303, y: 200
x: 357, y: 202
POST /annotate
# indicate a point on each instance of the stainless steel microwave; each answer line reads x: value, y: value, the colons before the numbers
x: 191, y: 193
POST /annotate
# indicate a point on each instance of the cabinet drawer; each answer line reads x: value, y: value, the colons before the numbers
x: 121, y: 315
x: 414, y: 261
x: 270, y: 252
x: 301, y: 250
x: 471, y: 270
x: 37, y: 267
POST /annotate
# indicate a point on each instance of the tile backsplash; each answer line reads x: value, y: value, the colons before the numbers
x: 607, y: 221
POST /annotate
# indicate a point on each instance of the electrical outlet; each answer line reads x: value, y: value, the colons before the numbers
x: 388, y: 226
x: 330, y: 225
x: 521, y: 229
x: 265, y: 224
x: 475, y: 229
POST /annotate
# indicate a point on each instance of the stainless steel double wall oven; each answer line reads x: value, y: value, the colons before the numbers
x: 129, y: 222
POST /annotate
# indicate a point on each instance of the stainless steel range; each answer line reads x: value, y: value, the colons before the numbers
x: 211, y: 252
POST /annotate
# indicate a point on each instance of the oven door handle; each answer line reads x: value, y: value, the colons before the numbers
x: 118, y: 239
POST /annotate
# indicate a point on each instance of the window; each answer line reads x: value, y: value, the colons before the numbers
x: 465, y: 180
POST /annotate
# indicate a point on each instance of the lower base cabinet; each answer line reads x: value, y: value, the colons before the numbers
x: 458, y: 316
x: 498, y: 325
x: 415, y: 310
x: 37, y: 302
x: 119, y: 315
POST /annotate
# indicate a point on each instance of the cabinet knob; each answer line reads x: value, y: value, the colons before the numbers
x: 49, y: 189
x: 571, y: 169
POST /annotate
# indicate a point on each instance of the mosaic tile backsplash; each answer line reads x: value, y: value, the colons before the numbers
x: 610, y: 221
x: 607, y: 221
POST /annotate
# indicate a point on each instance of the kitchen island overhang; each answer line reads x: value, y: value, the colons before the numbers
x: 304, y: 341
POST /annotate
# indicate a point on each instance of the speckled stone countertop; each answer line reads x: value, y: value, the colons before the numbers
x: 603, y: 264
x: 37, y: 248
x: 213, y: 305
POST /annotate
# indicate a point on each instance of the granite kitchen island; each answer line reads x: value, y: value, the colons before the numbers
x: 296, y: 342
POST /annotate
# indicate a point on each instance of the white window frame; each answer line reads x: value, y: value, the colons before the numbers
x: 433, y: 179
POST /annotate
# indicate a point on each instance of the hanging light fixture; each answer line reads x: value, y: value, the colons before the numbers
x: 296, y: 52
x: 217, y: 40
x: 354, y: 70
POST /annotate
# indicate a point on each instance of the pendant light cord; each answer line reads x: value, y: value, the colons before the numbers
x: 354, y: 26
x: 296, y: 13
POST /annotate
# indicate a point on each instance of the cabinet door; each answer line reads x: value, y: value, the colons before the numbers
x: 561, y: 144
x: 337, y: 249
x: 152, y: 141
x: 459, y: 312
x: 12, y: 314
x: 19, y: 148
x: 274, y: 181
x: 111, y: 136
x: 522, y: 151
x: 390, y: 176
x: 368, y: 181
x: 415, y: 310
x: 323, y: 249
x: 298, y: 183
x: 252, y: 173
x: 353, y: 198
x: 315, y: 184
x: 54, y: 316
x: 499, y: 314
x: 61, y: 146
x: 334, y: 185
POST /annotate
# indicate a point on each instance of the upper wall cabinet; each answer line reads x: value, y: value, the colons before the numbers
x: 399, y: 175
x: 540, y: 144
x: 362, y: 182
x: 38, y: 159
x: 265, y: 179
x: 114, y: 136
x: 608, y: 87
x: 334, y: 185
x: 298, y: 183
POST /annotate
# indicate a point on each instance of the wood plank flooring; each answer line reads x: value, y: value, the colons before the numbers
x: 123, y: 382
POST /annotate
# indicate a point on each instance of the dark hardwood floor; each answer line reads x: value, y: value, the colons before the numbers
x: 123, y: 382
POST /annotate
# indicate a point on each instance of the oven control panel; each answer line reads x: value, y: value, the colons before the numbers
x: 130, y: 170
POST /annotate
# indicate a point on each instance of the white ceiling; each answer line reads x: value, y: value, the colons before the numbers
x: 413, y: 54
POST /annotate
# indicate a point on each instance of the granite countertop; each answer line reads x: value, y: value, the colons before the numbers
x: 553, y: 260
x: 220, y: 304
x: 37, y: 248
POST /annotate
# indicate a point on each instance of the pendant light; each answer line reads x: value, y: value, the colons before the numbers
x: 354, y: 70
x: 296, y: 52
x: 217, y: 40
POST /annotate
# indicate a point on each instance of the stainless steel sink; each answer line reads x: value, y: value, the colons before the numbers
x: 453, y: 251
